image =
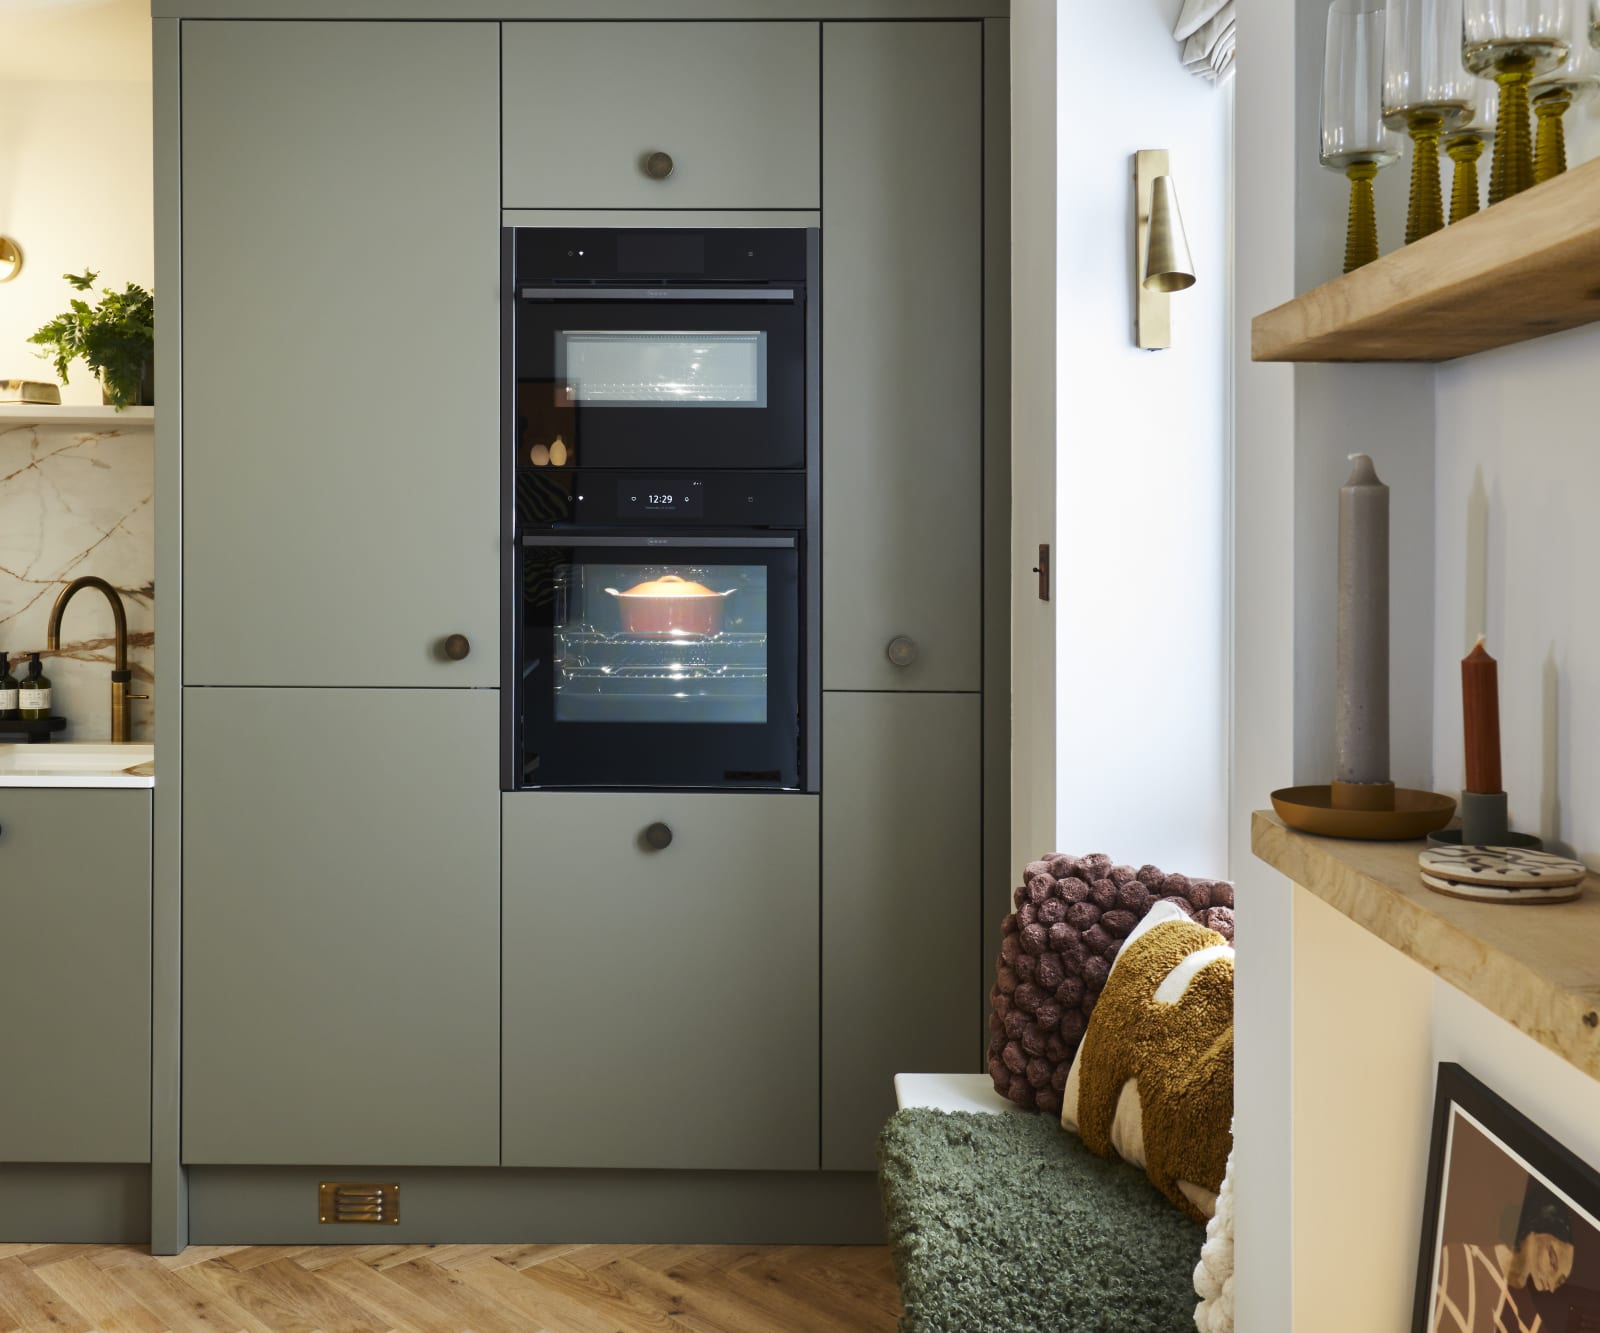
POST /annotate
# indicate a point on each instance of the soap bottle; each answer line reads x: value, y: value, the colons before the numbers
x: 34, y: 696
x: 8, y: 691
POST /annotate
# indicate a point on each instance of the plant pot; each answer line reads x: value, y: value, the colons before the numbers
x: 147, y: 387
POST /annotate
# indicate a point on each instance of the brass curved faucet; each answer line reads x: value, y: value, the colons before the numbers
x: 120, y: 675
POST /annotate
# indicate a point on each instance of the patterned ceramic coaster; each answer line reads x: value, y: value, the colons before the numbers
x: 1503, y: 893
x: 1505, y: 867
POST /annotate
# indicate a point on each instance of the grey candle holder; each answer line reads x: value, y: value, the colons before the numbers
x: 1485, y: 822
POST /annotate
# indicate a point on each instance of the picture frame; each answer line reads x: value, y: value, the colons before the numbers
x: 1511, y: 1222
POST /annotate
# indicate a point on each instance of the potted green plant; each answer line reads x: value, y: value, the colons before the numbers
x: 116, y: 337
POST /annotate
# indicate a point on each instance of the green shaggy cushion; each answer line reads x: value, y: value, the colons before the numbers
x: 1005, y: 1222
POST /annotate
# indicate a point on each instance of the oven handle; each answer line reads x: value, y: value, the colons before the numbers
x: 657, y: 293
x: 558, y: 539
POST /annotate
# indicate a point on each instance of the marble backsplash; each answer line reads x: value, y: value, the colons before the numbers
x: 76, y: 501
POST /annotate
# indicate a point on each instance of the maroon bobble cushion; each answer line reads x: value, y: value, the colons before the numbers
x: 1072, y: 914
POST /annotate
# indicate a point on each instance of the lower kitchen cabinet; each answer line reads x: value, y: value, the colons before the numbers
x: 341, y: 927
x: 74, y: 975
x: 661, y: 1004
x: 902, y: 904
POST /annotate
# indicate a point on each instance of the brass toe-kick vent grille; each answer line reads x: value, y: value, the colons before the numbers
x: 344, y: 1201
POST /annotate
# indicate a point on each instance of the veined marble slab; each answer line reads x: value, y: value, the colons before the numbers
x: 76, y: 501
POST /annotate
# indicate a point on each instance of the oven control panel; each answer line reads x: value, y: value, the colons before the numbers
x: 551, y: 498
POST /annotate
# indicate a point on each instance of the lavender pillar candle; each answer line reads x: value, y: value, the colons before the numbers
x: 1361, y: 717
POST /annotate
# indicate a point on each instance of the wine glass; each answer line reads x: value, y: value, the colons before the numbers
x: 1513, y: 42
x: 1569, y: 83
x: 1465, y: 146
x: 1426, y: 93
x: 1354, y: 137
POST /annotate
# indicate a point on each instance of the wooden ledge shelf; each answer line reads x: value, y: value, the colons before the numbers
x: 91, y: 418
x: 1526, y: 267
x: 1537, y: 966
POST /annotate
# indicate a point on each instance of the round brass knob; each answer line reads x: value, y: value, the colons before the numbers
x: 456, y: 647
x: 903, y: 651
x: 659, y: 836
x: 658, y: 165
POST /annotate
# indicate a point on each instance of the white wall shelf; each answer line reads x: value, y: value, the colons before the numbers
x: 96, y: 418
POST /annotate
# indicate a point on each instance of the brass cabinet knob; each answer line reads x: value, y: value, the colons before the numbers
x: 659, y: 836
x: 903, y: 651
x: 658, y: 165
x: 456, y: 647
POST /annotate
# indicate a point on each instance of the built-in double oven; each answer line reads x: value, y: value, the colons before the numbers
x: 661, y: 445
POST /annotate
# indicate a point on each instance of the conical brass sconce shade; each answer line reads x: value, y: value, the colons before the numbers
x: 1160, y: 254
x: 1167, y: 266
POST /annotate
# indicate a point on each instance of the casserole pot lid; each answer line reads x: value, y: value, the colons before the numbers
x: 670, y: 585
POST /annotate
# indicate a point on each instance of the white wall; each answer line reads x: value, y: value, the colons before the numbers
x: 1141, y: 484
x: 1518, y: 480
x: 75, y: 158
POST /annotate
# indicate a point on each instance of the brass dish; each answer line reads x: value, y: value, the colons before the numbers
x: 1415, y: 815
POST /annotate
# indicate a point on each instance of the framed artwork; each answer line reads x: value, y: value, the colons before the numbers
x: 1510, y: 1225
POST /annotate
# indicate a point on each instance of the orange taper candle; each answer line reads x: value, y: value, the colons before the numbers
x: 1480, y: 697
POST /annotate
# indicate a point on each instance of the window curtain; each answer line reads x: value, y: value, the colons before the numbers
x: 1205, y: 33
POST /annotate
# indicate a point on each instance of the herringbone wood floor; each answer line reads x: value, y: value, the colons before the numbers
x: 447, y: 1289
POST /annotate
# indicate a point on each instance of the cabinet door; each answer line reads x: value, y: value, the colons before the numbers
x: 902, y: 904
x: 734, y: 105
x: 660, y: 1005
x: 902, y: 316
x: 341, y: 909
x: 74, y: 976
x: 341, y: 352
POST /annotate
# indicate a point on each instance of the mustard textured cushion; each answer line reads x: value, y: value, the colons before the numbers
x: 1153, y: 1080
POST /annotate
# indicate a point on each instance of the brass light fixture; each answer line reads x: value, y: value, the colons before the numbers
x: 10, y: 259
x: 1160, y: 248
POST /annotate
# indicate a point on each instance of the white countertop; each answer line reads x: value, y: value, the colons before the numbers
x: 77, y: 764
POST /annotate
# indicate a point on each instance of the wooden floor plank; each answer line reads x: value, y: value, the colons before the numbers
x: 524, y: 1256
x: 594, y: 1289
x: 396, y: 1309
x: 549, y: 1310
x: 249, y: 1291
x: 181, y: 1305
x: 702, y: 1306
x: 90, y: 1291
x: 33, y: 1304
x: 448, y: 1289
x: 465, y: 1306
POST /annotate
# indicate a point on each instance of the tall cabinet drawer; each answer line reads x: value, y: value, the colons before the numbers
x: 733, y: 105
x: 660, y: 1002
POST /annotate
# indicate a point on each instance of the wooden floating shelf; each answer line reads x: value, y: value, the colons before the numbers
x: 96, y: 418
x: 1524, y: 268
x: 1536, y: 965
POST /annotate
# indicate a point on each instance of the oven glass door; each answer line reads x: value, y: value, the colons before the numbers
x: 631, y: 383
x: 660, y: 662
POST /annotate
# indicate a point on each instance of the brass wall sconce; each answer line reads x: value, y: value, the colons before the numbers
x: 10, y: 259
x: 1160, y: 248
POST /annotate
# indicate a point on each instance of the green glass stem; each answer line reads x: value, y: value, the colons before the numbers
x: 1550, y: 141
x: 1512, y: 171
x: 1426, y: 212
x: 1464, y: 185
x: 1361, y: 232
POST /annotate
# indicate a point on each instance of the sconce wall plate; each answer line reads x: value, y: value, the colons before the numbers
x: 1161, y: 262
x: 1152, y: 310
x: 10, y: 259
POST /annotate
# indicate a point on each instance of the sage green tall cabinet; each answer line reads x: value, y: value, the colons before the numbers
x: 537, y: 1023
x: 341, y: 202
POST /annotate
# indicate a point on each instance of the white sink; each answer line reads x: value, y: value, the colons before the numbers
x: 77, y: 764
